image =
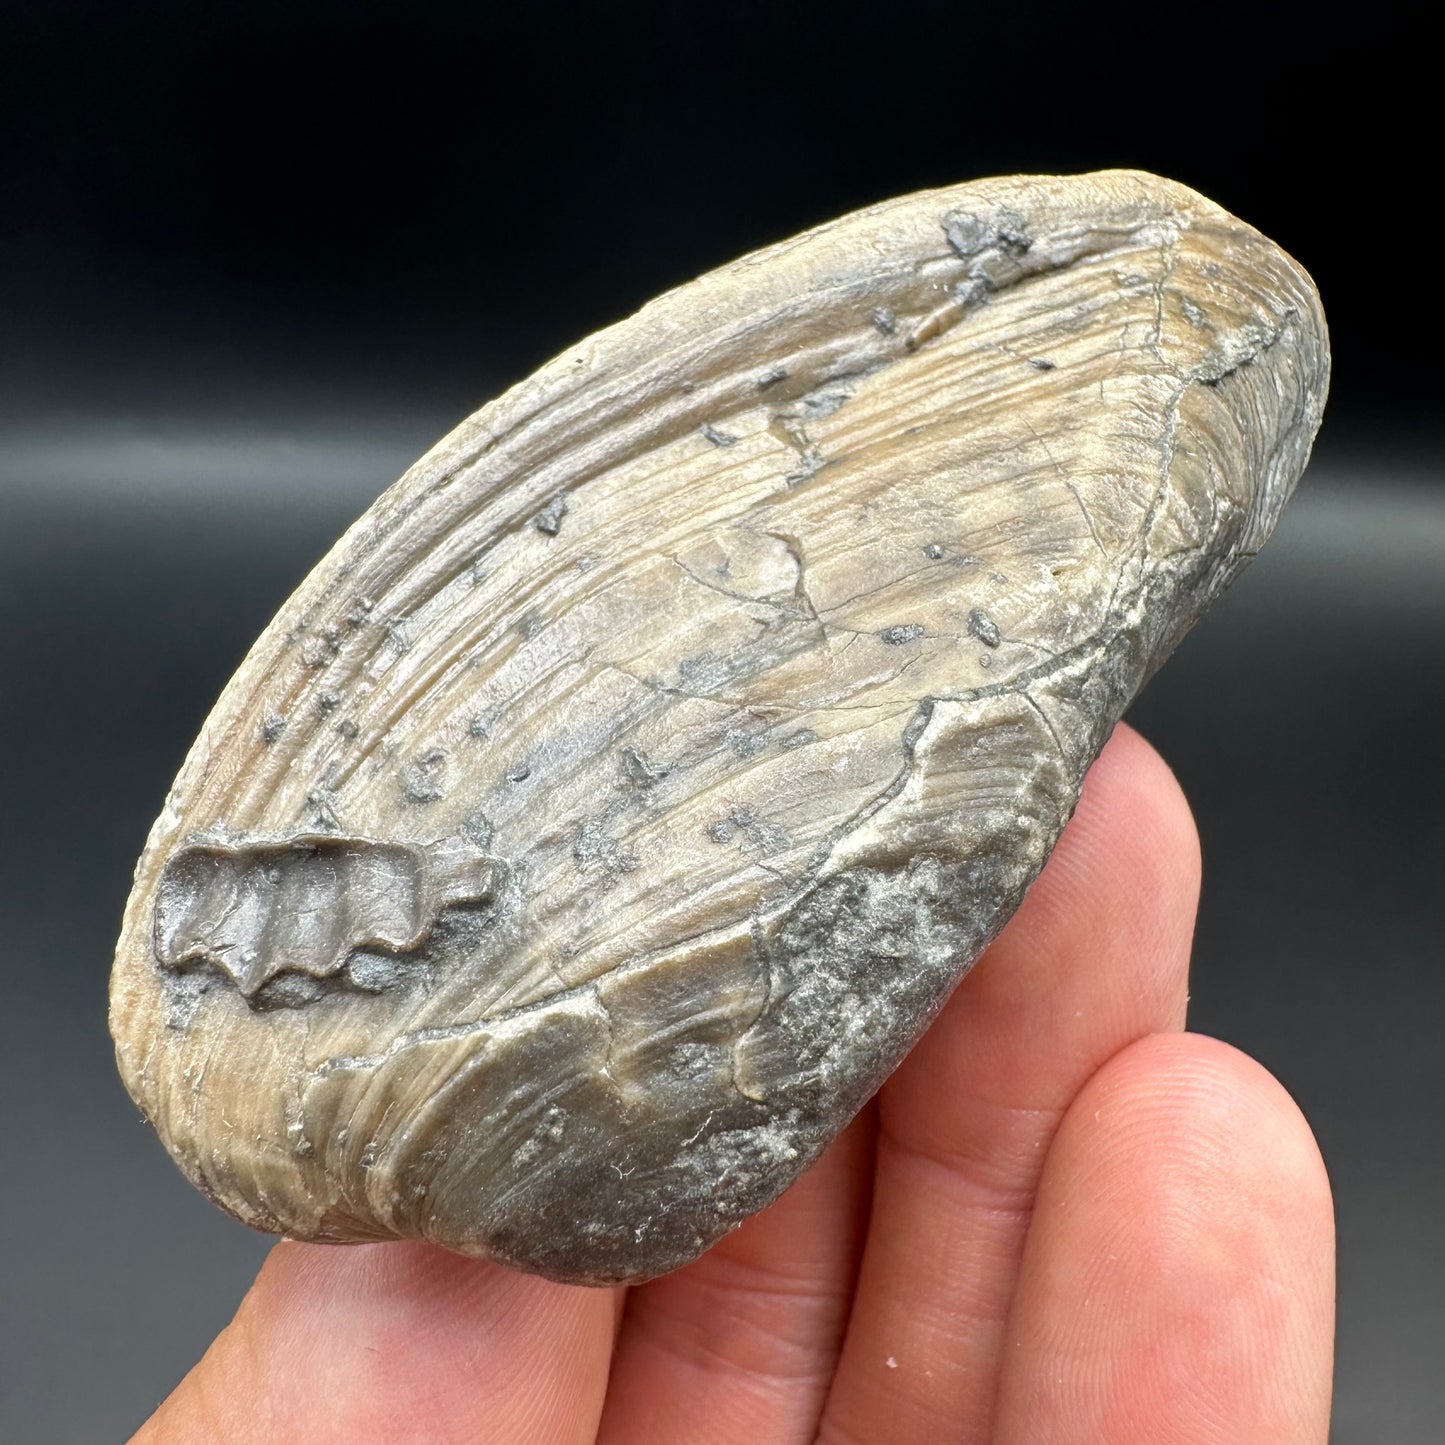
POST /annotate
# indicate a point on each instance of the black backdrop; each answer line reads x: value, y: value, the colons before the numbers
x: 255, y: 257
x: 424, y: 201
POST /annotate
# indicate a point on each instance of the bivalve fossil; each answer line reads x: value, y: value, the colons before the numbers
x: 611, y: 809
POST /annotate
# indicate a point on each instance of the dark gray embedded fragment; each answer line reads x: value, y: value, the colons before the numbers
x: 642, y: 770
x: 718, y: 437
x: 303, y: 906
x: 549, y: 519
x: 423, y: 778
x: 967, y: 233
x: 971, y: 234
x: 398, y: 634
x: 903, y: 632
x: 984, y: 628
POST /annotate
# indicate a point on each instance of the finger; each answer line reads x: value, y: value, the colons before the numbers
x: 1096, y: 957
x: 396, y: 1342
x: 1178, y: 1282
x: 741, y: 1345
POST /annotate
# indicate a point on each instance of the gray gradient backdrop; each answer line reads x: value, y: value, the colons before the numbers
x: 1303, y: 717
x: 253, y: 262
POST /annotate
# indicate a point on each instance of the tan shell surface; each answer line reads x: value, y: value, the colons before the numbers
x: 609, y: 811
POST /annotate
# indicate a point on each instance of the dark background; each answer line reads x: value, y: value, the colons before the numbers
x: 255, y: 258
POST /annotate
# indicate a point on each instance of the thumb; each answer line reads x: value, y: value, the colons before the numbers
x: 393, y: 1342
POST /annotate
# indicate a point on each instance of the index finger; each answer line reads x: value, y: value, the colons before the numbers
x: 1096, y: 957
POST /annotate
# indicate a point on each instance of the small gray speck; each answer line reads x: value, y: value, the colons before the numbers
x: 896, y: 636
x: 398, y: 634
x: 328, y: 701
x: 272, y: 727
x: 1192, y: 314
x: 974, y: 291
x: 933, y: 551
x: 519, y: 772
x: 422, y: 778
x: 587, y: 563
x: 716, y: 437
x: 720, y: 832
x: 984, y: 628
x: 704, y: 671
x: 745, y: 745
x: 760, y: 834
x: 549, y: 519
x: 885, y: 321
x: 322, y: 802
x: 529, y: 625
x: 591, y: 844
x: 966, y: 233
x: 640, y: 770
x: 825, y: 403
x: 800, y: 739
x: 771, y: 377
x: 360, y: 612
x: 479, y: 829
x: 1013, y: 231
x: 481, y: 723
x: 812, y: 465
x: 1040, y: 364
x: 348, y: 728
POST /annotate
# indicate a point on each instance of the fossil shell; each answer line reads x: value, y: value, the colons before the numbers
x: 611, y: 809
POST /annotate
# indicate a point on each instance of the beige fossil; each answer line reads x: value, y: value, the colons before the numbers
x: 611, y: 809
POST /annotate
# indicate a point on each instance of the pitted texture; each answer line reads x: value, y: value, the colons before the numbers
x: 709, y: 700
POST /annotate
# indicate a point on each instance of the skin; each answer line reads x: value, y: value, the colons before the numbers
x: 1064, y: 1219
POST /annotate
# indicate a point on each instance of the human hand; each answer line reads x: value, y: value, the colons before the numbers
x: 1062, y: 1220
